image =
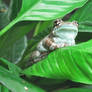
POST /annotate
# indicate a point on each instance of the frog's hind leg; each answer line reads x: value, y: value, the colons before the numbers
x: 35, y: 56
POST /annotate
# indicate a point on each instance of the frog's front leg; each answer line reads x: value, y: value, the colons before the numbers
x: 51, y: 45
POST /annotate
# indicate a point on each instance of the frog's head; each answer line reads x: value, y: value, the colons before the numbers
x: 65, y: 28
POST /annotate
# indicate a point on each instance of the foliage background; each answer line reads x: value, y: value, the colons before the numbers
x: 72, y: 68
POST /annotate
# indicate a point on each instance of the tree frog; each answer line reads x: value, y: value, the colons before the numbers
x: 63, y: 34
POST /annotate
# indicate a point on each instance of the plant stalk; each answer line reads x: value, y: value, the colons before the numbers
x: 11, y: 24
x: 37, y: 29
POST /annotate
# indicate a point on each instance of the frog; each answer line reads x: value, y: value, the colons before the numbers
x: 62, y: 35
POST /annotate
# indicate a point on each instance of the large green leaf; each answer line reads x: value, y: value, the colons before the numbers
x: 15, y: 83
x: 10, y: 79
x: 47, y: 9
x: 16, y: 33
x: 15, y: 52
x: 44, y: 10
x: 84, y: 17
x: 72, y: 63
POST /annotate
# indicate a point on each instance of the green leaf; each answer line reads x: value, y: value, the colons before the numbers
x: 12, y: 67
x: 75, y: 90
x: 47, y: 9
x: 69, y: 63
x: 16, y: 33
x: 84, y: 17
x: 15, y: 52
x: 44, y: 10
x: 15, y: 83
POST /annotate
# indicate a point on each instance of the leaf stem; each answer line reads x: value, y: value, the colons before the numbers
x: 4, y: 30
x: 37, y: 29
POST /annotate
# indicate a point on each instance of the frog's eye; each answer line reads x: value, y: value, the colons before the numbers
x: 58, y: 22
x: 75, y: 23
